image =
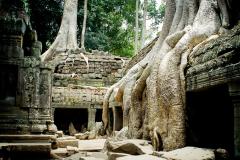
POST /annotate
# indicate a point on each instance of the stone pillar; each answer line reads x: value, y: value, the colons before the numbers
x: 234, y: 90
x: 91, y: 117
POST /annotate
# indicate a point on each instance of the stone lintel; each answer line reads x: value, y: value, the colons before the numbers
x: 215, y: 77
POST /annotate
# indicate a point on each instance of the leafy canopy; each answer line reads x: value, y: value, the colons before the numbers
x: 110, y: 23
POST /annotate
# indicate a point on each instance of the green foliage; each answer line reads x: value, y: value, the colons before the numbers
x: 105, y: 29
x: 46, y: 18
x: 157, y: 14
x: 110, y: 23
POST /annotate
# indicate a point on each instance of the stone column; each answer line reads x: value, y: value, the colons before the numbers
x: 234, y: 90
x: 91, y: 117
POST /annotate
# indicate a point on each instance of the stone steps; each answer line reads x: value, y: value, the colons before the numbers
x: 25, y: 150
x: 27, y: 138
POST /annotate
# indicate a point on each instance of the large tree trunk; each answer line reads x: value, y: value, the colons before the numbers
x: 136, y: 29
x: 153, y: 91
x: 67, y: 34
x: 84, y: 25
x: 145, y: 4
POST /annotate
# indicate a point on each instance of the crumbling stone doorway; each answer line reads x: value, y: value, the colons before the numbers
x: 64, y: 116
x: 8, y: 84
x: 98, y: 116
x: 210, y: 119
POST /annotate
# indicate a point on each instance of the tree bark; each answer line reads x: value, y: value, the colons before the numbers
x: 136, y: 29
x: 67, y: 34
x: 145, y: 4
x: 159, y: 76
x: 84, y: 25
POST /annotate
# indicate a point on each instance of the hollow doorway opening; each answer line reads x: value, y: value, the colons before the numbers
x: 98, y: 116
x: 63, y: 117
x: 8, y: 84
x: 210, y: 119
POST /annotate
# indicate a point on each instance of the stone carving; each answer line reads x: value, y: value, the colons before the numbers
x: 20, y: 55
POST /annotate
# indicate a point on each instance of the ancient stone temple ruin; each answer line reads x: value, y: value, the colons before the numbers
x: 213, y: 94
x: 79, y: 87
x: 25, y: 83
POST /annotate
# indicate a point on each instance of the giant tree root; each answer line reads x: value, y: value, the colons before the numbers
x: 153, y: 91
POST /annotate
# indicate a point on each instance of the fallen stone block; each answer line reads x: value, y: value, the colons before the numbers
x: 115, y: 155
x: 61, y: 152
x: 63, y: 143
x: 87, y: 156
x: 59, y: 134
x: 71, y: 150
x: 91, y: 145
x: 130, y: 146
x: 82, y: 136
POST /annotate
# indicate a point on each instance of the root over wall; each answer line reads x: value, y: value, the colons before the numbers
x: 152, y: 92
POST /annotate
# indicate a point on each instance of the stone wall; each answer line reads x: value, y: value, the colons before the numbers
x: 215, y: 65
x: 25, y: 85
x: 80, y: 84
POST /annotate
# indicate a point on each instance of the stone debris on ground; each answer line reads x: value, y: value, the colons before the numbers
x: 188, y: 153
x: 59, y: 134
x: 63, y: 142
x: 141, y: 157
x: 128, y: 149
x: 130, y: 146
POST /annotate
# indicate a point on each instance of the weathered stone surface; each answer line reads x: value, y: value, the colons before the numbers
x: 122, y: 134
x: 215, y: 63
x: 62, y: 152
x: 71, y: 150
x: 189, y: 153
x: 88, y: 156
x: 115, y: 155
x: 82, y: 136
x: 67, y: 141
x: 71, y: 129
x: 26, y: 81
x: 141, y: 157
x: 130, y: 146
x: 59, y: 134
x: 27, y: 138
x: 91, y: 145
x: 221, y: 154
x: 26, y: 149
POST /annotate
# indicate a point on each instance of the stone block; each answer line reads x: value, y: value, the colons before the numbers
x: 61, y: 152
x: 189, y: 153
x: 131, y: 146
x: 20, y: 150
x: 69, y: 141
x: 71, y: 150
x: 82, y: 136
x: 141, y: 157
x: 114, y: 155
x: 59, y: 134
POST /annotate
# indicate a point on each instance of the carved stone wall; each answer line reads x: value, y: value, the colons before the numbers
x: 78, y: 85
x: 217, y: 64
x: 25, y: 97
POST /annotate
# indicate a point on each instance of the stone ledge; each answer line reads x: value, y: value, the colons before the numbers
x: 210, y: 78
x: 27, y: 138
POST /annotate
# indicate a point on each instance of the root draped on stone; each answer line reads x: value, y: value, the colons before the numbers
x: 153, y: 91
